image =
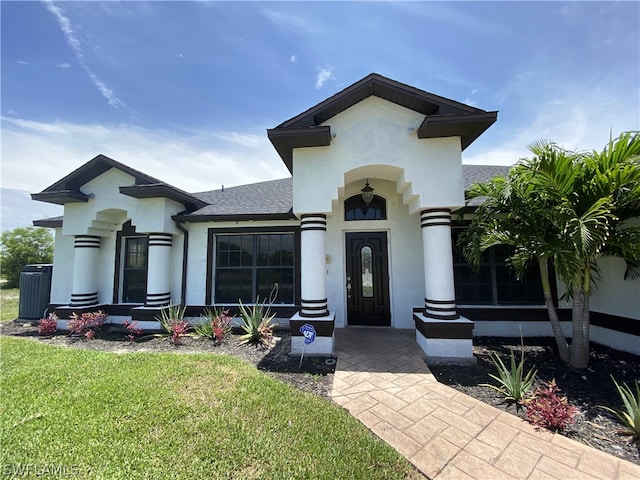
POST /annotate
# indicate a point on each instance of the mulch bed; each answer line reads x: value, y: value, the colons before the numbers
x: 587, y: 390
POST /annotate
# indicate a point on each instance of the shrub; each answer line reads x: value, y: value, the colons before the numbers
x: 216, y: 325
x: 48, y: 326
x: 630, y: 416
x: 546, y: 409
x: 171, y: 319
x: 257, y: 324
x: 512, y: 382
x: 87, y: 323
x: 132, y: 330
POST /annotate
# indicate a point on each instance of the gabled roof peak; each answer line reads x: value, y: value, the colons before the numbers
x: 443, y: 117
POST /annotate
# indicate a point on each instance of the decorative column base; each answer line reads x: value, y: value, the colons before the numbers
x: 322, y: 345
x: 445, y: 341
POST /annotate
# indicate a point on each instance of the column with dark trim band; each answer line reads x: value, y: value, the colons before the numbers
x: 158, y: 270
x: 313, y: 290
x: 86, y: 250
x: 439, y: 301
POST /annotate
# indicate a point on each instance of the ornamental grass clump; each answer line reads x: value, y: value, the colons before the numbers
x: 216, y: 325
x: 49, y: 325
x: 513, y: 383
x: 630, y: 415
x: 87, y: 323
x: 173, y: 323
x: 257, y: 323
x: 547, y: 409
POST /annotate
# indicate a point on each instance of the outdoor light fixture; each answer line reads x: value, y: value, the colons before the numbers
x: 367, y: 193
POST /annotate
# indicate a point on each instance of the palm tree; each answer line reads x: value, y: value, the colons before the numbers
x: 512, y: 213
x: 570, y: 207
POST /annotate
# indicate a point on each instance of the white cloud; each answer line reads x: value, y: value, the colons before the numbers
x: 581, y: 120
x: 76, y: 47
x: 37, y: 154
x: 63, y: 65
x: 179, y: 55
x: 24, y: 62
x: 324, y: 74
x: 293, y: 58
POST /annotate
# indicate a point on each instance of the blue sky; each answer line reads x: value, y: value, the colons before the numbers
x: 184, y: 91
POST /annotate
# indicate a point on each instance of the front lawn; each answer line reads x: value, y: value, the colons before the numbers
x: 9, y: 298
x: 166, y: 415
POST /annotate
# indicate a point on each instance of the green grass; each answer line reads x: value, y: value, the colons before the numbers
x: 8, y: 304
x: 166, y: 415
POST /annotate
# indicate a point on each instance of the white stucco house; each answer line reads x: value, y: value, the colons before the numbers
x: 362, y: 233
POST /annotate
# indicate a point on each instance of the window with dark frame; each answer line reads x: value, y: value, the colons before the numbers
x: 248, y: 265
x: 356, y: 209
x: 495, y: 282
x: 134, y: 272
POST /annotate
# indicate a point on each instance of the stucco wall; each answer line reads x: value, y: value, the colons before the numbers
x: 378, y: 132
x: 406, y: 282
x: 61, y: 279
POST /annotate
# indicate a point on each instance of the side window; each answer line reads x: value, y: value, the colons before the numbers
x: 495, y: 282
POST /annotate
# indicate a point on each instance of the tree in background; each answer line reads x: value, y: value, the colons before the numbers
x: 23, y: 246
x: 569, y: 207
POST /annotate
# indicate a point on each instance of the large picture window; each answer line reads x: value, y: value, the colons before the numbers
x: 495, y: 282
x: 248, y: 266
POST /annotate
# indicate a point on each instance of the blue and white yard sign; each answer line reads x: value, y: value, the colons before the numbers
x: 308, y: 332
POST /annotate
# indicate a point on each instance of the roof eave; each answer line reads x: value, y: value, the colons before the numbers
x: 60, y: 197
x: 467, y: 126
x: 162, y: 190
x: 191, y: 218
x: 286, y: 139
x: 55, y: 222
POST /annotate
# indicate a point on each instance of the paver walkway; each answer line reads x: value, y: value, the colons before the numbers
x: 383, y: 381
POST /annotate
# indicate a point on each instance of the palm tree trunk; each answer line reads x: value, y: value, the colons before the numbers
x: 558, y: 334
x: 579, y: 358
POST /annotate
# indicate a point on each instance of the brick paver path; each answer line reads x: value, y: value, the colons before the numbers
x: 382, y: 380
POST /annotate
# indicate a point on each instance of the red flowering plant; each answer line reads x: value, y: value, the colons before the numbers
x: 132, y: 330
x: 87, y: 323
x: 547, y: 409
x: 49, y: 325
x: 172, y: 320
x: 215, y: 325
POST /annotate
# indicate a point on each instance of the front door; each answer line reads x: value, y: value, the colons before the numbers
x: 367, y: 279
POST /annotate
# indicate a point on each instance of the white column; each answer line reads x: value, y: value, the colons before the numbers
x: 86, y: 250
x: 314, y: 312
x: 439, y: 301
x: 158, y: 270
x: 313, y: 288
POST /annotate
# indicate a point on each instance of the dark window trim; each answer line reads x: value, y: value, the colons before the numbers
x: 211, y: 234
x: 127, y: 230
x: 356, y: 203
x: 459, y: 224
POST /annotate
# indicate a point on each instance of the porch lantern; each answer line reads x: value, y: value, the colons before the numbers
x: 367, y: 193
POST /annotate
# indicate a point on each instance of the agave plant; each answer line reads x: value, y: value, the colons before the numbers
x: 257, y: 323
x: 630, y: 416
x: 513, y: 383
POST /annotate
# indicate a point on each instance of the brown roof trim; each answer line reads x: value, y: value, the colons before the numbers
x: 188, y: 218
x: 53, y: 222
x: 468, y: 126
x: 163, y: 190
x: 399, y: 93
x: 286, y: 139
x: 94, y: 168
x: 60, y: 197
x: 383, y: 87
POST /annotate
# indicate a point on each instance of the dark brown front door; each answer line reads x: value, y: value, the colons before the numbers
x: 367, y: 279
